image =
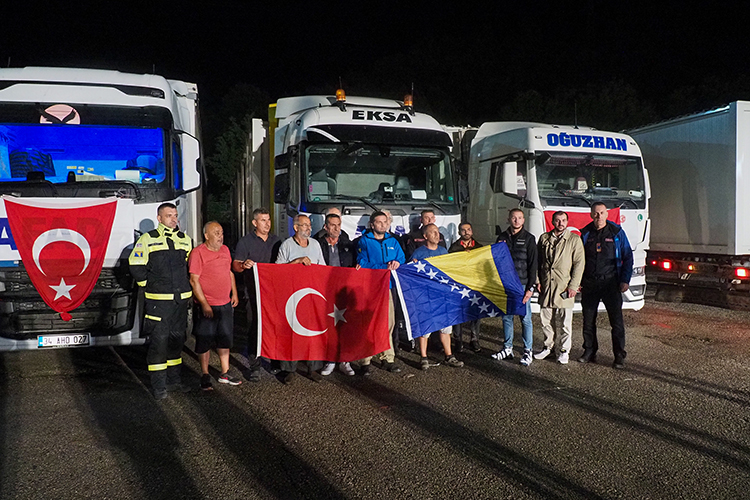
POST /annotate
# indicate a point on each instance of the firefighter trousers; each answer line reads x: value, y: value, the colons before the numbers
x: 165, y: 322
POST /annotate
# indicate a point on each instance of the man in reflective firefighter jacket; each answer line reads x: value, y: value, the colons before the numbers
x: 158, y: 263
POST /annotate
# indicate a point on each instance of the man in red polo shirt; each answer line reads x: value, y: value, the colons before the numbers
x: 215, y: 292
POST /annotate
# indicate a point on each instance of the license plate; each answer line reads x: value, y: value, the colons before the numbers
x: 63, y: 340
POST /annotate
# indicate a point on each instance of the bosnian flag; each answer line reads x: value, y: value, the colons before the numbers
x: 321, y: 312
x: 579, y: 220
x: 451, y: 289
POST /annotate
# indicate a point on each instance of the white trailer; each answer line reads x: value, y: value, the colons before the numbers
x: 699, y: 171
x: 545, y: 168
x: 75, y: 136
x: 359, y: 154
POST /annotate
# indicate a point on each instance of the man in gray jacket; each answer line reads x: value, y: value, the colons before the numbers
x: 561, y: 263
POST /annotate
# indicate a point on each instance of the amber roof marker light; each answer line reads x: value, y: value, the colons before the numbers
x: 341, y: 99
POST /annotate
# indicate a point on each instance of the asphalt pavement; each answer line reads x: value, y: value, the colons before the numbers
x: 80, y: 423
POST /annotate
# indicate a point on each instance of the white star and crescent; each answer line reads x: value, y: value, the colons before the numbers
x: 62, y: 290
x: 59, y: 234
x: 66, y: 235
x: 291, y: 313
x: 337, y: 315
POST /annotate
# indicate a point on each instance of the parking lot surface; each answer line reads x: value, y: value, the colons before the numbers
x: 80, y: 423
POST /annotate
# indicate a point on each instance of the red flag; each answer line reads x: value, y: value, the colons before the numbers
x: 579, y: 220
x: 62, y: 249
x: 321, y: 312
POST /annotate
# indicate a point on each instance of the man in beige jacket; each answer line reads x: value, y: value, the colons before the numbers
x: 561, y: 263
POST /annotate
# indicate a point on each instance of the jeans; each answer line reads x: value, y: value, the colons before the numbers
x: 526, y: 329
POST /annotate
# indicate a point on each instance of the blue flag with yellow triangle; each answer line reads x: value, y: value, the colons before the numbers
x: 451, y: 289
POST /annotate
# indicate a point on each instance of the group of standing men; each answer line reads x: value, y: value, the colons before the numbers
x: 599, y: 264
x: 172, y: 273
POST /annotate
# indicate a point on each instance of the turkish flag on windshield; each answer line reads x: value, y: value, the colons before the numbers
x: 579, y: 220
x: 321, y: 312
x: 62, y: 249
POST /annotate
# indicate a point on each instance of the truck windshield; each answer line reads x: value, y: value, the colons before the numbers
x: 104, y: 151
x: 378, y: 173
x: 575, y: 179
x: 80, y: 153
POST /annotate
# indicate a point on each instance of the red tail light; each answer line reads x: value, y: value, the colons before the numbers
x: 742, y: 272
x: 667, y: 265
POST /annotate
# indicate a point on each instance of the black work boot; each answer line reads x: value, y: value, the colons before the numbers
x: 159, y: 384
x: 174, y: 379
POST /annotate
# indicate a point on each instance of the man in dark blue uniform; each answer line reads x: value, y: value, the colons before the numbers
x: 606, y: 276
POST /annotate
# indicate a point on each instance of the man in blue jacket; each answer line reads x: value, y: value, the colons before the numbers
x: 378, y: 249
x: 606, y: 276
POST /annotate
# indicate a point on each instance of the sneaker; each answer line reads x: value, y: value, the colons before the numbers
x: 314, y: 376
x: 527, y: 358
x: 391, y: 367
x: 226, y: 378
x: 563, y: 358
x: 366, y: 370
x: 619, y: 363
x: 328, y: 369
x: 543, y: 353
x: 346, y: 368
x: 504, y: 354
x: 452, y: 361
x: 206, y: 383
x: 475, y: 346
x: 426, y: 364
x: 160, y: 394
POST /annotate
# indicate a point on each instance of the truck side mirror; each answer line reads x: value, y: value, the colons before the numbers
x: 510, y: 178
x: 281, y: 189
x: 191, y: 177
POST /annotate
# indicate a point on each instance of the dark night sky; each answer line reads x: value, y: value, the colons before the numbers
x: 447, y: 49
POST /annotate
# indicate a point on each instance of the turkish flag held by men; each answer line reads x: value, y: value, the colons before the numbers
x: 321, y: 312
x: 62, y: 249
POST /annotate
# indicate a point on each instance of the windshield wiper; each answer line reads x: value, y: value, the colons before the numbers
x: 360, y: 198
x: 432, y: 203
x: 568, y: 194
x: 624, y: 201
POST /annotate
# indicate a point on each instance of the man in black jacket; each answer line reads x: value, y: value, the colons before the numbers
x: 337, y: 249
x: 522, y: 246
x: 465, y: 243
x: 415, y: 239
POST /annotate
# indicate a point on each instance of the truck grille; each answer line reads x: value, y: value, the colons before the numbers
x: 107, y: 311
